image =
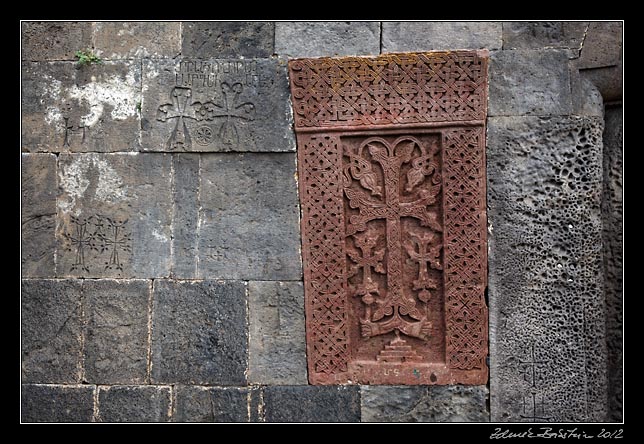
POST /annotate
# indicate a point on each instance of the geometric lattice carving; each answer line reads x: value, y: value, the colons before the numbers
x: 391, y: 154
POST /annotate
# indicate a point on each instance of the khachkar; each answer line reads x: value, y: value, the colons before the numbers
x: 392, y: 186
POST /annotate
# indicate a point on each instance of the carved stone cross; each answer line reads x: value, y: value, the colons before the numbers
x: 392, y: 185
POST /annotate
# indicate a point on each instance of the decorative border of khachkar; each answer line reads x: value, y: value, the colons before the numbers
x: 391, y: 162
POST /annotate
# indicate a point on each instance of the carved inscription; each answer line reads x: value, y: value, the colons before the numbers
x: 533, y: 404
x: 99, y: 238
x: 208, y: 103
x: 392, y: 181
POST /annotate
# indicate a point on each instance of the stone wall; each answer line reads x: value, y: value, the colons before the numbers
x: 162, y: 274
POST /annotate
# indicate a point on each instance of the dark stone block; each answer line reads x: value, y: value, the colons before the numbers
x: 134, y: 404
x: 612, y: 237
x: 538, y: 35
x: 79, y: 109
x: 51, y: 331
x: 38, y: 217
x: 529, y: 82
x: 114, y: 216
x: 216, y: 105
x: 49, y: 403
x: 185, y: 235
x: 116, y: 342
x: 227, y: 39
x: 249, y: 218
x: 310, y: 403
x: 215, y: 404
x: 547, y: 322
x: 55, y: 40
x: 277, y: 338
x: 199, y: 333
x: 453, y: 403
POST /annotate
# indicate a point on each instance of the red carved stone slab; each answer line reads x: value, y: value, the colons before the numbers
x: 391, y: 163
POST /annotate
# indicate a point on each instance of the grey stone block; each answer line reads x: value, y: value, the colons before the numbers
x: 215, y: 404
x: 227, y: 39
x: 216, y: 105
x: 538, y: 35
x: 249, y: 218
x: 127, y: 40
x: 612, y: 237
x: 199, y: 333
x: 602, y: 46
x: 80, y: 109
x: 134, y: 404
x: 547, y: 332
x: 312, y: 403
x: 116, y: 342
x: 38, y: 214
x: 608, y: 80
x: 185, y: 217
x: 428, y: 36
x: 529, y: 82
x: 318, y: 39
x: 51, y: 331
x: 54, y: 40
x: 50, y: 403
x: 114, y: 215
x: 277, y: 350
x: 454, y: 403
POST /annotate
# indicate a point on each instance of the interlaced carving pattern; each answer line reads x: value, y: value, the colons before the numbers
x: 426, y: 206
x: 391, y: 89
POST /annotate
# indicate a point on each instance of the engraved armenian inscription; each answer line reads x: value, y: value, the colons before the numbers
x: 392, y: 186
x: 216, y: 105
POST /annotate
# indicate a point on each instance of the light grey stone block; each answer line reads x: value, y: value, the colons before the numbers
x: 127, y: 40
x: 277, y: 352
x: 114, y: 213
x: 327, y: 39
x: 431, y: 36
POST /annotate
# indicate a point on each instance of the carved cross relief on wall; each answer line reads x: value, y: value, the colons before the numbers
x: 391, y: 163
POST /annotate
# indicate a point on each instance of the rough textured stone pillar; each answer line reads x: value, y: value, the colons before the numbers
x: 548, y: 349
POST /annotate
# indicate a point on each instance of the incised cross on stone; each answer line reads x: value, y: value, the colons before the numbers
x: 390, y: 157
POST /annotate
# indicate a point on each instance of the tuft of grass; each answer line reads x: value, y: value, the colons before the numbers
x: 87, y: 57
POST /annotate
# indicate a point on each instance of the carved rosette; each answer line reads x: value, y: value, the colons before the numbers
x: 392, y: 185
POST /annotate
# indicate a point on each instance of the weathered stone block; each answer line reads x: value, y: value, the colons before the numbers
x: 602, y: 46
x: 51, y: 403
x: 114, y: 215
x: 527, y: 82
x: 134, y: 404
x: 54, y: 40
x: 116, y: 342
x: 547, y: 333
x: 227, y: 39
x: 127, y: 40
x: 277, y: 352
x: 38, y: 214
x: 612, y: 237
x: 216, y: 105
x: 199, y: 333
x: 185, y: 219
x: 215, y: 404
x: 316, y: 39
x: 537, y: 35
x: 427, y: 36
x: 309, y: 403
x: 51, y: 331
x: 454, y: 403
x: 249, y: 218
x: 90, y: 108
